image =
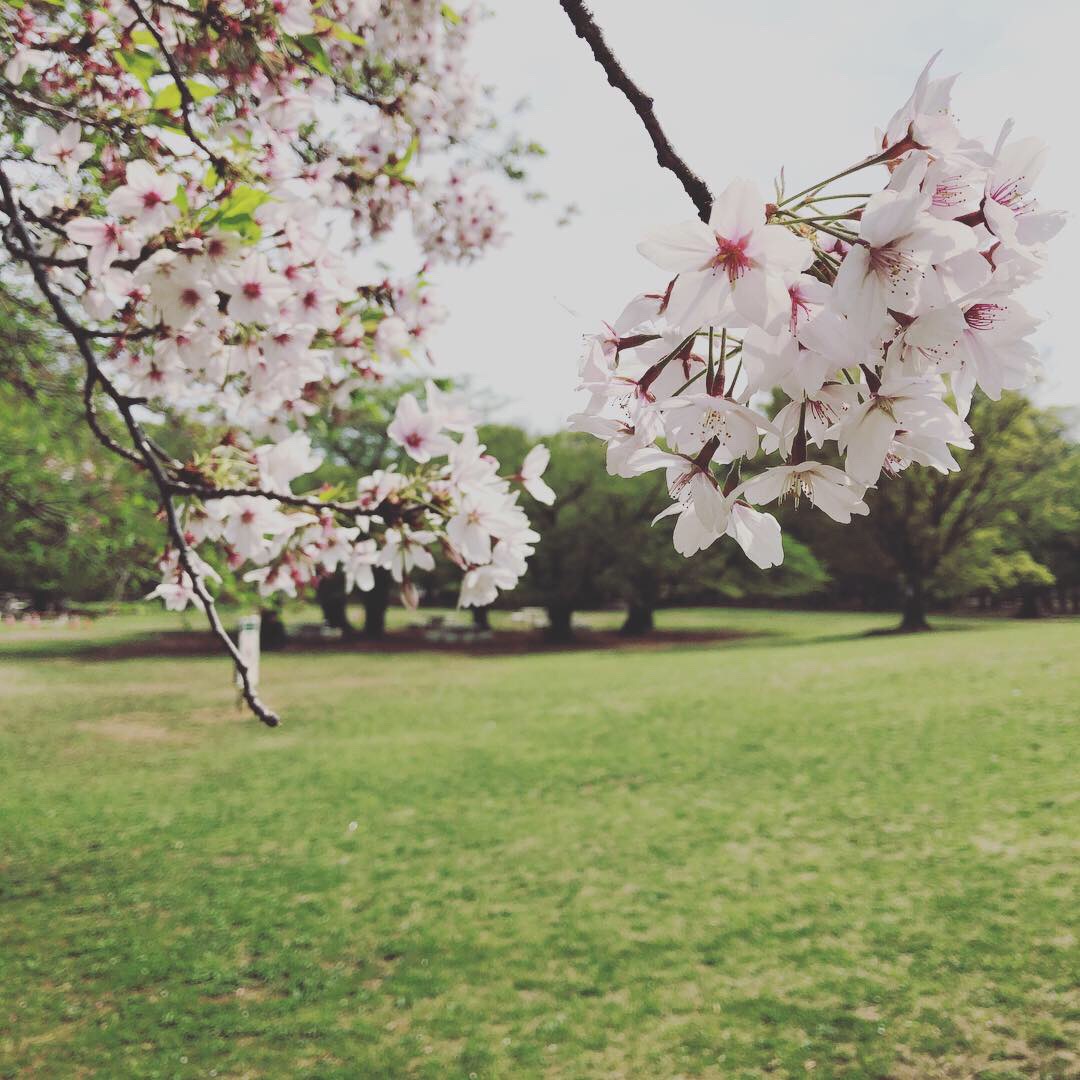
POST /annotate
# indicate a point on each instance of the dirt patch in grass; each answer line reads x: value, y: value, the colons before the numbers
x: 131, y: 731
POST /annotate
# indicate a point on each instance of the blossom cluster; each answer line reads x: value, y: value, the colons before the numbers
x: 202, y: 184
x: 870, y: 316
x: 455, y: 500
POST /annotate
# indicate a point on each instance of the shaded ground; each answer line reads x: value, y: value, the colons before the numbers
x: 808, y: 853
x: 504, y: 643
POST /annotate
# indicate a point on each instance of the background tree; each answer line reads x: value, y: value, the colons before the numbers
x: 69, y: 527
x: 932, y: 535
x: 599, y: 548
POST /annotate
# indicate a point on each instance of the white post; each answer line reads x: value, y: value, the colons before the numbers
x: 247, y: 644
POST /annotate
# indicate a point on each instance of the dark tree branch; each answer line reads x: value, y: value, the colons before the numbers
x: 187, y: 102
x: 666, y: 157
x: 306, y: 502
x: 94, y: 421
x: 143, y: 448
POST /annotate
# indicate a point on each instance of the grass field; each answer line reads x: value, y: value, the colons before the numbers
x: 806, y: 853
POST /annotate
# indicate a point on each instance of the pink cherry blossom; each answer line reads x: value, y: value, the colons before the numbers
x: 146, y: 198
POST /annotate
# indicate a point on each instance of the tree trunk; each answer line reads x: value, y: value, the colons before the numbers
x: 639, y: 620
x: 1029, y: 605
x: 376, y: 601
x: 480, y: 619
x: 561, y: 628
x: 914, y: 618
x: 272, y: 634
x: 330, y: 593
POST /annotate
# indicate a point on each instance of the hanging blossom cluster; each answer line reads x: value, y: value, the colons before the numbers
x: 196, y: 186
x: 873, y: 314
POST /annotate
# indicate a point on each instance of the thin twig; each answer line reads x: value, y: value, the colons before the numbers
x: 187, y: 102
x: 143, y: 449
x: 306, y: 502
x: 667, y: 158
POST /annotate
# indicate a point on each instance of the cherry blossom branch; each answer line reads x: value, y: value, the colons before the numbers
x: 143, y: 454
x: 94, y: 421
x: 34, y: 105
x: 666, y: 156
x: 187, y: 102
x: 305, y: 502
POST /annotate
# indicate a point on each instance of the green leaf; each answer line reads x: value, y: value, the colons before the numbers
x: 450, y: 15
x: 244, y: 224
x: 243, y: 200
x: 200, y: 91
x: 341, y: 32
x: 167, y: 122
x: 142, y: 65
x: 316, y: 53
x: 167, y: 98
x: 236, y: 213
x: 143, y: 37
x: 322, y: 24
x: 399, y: 167
x: 181, y: 199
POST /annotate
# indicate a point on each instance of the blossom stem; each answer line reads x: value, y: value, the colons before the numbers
x: 718, y: 382
x: 653, y: 373
x: 841, y: 234
x: 877, y: 159
x: 710, y: 378
x: 690, y: 382
x: 735, y: 377
x: 828, y: 198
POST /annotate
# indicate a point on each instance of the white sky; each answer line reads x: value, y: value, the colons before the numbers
x: 741, y: 89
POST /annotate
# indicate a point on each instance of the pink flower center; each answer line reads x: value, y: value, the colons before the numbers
x: 731, y: 257
x: 983, y: 316
x: 414, y: 440
x: 189, y: 297
x: 252, y: 290
x: 821, y: 411
x: 799, y: 305
x: 1012, y: 196
x: 895, y: 264
x: 949, y: 192
x: 151, y: 199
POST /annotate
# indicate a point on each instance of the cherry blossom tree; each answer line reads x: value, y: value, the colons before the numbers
x: 195, y: 187
x: 876, y: 312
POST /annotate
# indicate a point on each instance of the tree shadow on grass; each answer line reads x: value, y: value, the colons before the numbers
x: 183, y: 643
x: 197, y: 643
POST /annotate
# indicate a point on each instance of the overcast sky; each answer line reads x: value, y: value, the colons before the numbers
x: 741, y: 88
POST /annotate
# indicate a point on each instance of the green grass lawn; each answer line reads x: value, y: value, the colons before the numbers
x: 807, y: 853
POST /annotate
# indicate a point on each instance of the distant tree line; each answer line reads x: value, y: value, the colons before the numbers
x: 1005, y: 531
